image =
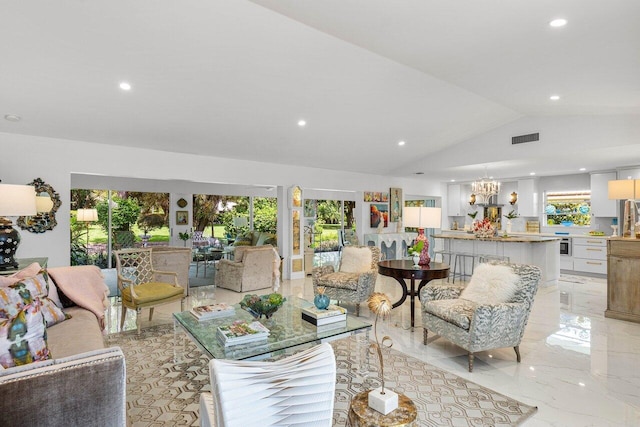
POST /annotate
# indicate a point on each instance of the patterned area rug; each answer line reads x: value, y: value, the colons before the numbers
x: 162, y: 393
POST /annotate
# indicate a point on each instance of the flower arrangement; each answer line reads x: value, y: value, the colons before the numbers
x: 512, y: 215
x: 483, y: 228
x: 416, y: 249
x: 262, y: 305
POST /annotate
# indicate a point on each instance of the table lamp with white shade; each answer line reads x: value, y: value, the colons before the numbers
x: 87, y: 216
x: 421, y: 218
x: 629, y: 191
x: 15, y: 200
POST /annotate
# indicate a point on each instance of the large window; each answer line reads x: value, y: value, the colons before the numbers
x: 568, y: 208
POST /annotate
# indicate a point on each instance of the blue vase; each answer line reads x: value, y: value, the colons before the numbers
x: 321, y: 301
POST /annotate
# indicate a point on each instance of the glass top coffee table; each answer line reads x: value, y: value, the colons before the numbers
x: 287, y: 331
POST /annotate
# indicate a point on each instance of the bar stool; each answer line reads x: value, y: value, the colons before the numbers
x: 460, y: 265
x: 488, y: 258
x: 443, y: 254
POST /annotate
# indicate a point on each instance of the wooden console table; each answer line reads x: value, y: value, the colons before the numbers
x: 623, y: 279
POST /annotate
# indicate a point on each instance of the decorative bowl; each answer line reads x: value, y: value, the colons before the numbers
x: 262, y: 305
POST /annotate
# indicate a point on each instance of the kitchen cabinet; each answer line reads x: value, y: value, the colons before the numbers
x: 601, y: 206
x: 590, y: 255
x: 453, y: 200
x: 528, y: 197
x: 623, y: 279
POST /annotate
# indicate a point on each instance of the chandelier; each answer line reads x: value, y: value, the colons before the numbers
x: 485, y: 188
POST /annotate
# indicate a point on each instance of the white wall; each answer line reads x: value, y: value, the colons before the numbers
x: 56, y: 160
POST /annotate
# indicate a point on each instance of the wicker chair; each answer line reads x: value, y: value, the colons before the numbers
x: 140, y: 285
x: 355, y: 279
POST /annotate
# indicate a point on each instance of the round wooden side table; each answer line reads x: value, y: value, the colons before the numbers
x: 361, y: 415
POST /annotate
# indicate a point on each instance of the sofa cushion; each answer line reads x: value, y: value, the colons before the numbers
x: 78, y: 334
x: 152, y: 291
x: 339, y: 280
x: 23, y: 336
x: 491, y: 284
x: 355, y: 259
x: 38, y: 285
x: 456, y: 311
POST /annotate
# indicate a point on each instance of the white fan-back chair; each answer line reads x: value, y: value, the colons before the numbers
x: 295, y: 391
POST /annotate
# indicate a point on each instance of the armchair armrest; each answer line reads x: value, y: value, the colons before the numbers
x: 124, y: 283
x: 368, y: 280
x: 229, y: 264
x: 498, y: 325
x: 433, y: 292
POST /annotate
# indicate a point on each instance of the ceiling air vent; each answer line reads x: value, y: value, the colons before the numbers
x: 525, y: 138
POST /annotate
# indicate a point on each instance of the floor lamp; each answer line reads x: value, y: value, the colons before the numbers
x: 15, y: 200
x: 87, y: 216
x: 421, y: 218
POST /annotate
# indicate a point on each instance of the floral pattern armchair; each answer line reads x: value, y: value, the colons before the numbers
x: 479, y: 327
x: 350, y: 283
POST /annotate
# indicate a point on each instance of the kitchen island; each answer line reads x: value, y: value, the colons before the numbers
x: 543, y: 252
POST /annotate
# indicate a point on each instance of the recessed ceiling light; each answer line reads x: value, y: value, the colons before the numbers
x: 401, y: 143
x: 583, y: 169
x: 453, y: 180
x: 125, y: 86
x: 302, y: 123
x: 560, y: 22
x: 554, y: 97
x: 12, y: 117
x: 532, y: 173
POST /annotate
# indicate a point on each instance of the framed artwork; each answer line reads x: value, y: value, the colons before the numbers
x: 368, y: 196
x: 379, y: 212
x: 384, y: 197
x: 377, y: 196
x: 182, y: 217
x: 182, y: 203
x: 395, y: 204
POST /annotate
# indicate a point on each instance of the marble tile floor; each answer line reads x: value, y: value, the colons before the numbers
x: 578, y: 367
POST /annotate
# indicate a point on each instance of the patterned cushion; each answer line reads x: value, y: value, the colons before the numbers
x: 456, y: 311
x: 39, y: 286
x: 23, y: 334
x: 339, y: 280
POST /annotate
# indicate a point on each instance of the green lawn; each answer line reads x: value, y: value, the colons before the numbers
x: 98, y: 235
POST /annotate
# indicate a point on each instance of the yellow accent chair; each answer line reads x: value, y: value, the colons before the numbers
x: 143, y: 287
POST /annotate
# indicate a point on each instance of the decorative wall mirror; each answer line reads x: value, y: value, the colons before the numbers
x: 48, y: 202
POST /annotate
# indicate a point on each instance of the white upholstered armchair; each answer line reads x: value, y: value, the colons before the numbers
x: 490, y: 312
x: 295, y: 391
x: 355, y: 279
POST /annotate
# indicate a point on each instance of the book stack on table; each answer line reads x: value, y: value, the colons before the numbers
x: 242, y: 332
x: 213, y: 311
x: 321, y: 317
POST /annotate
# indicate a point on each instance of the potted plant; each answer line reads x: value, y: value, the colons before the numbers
x: 415, y: 251
x: 511, y: 215
x: 184, y: 237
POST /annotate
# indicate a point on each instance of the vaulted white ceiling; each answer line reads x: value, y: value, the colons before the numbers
x: 231, y: 78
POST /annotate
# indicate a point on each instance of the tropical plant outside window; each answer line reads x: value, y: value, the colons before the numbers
x: 569, y: 208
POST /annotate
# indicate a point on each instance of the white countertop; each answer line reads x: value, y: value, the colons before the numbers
x: 585, y: 235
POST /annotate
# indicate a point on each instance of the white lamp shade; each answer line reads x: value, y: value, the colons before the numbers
x: 421, y: 217
x: 623, y: 189
x: 87, y: 215
x: 44, y: 203
x: 240, y: 221
x: 17, y: 200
